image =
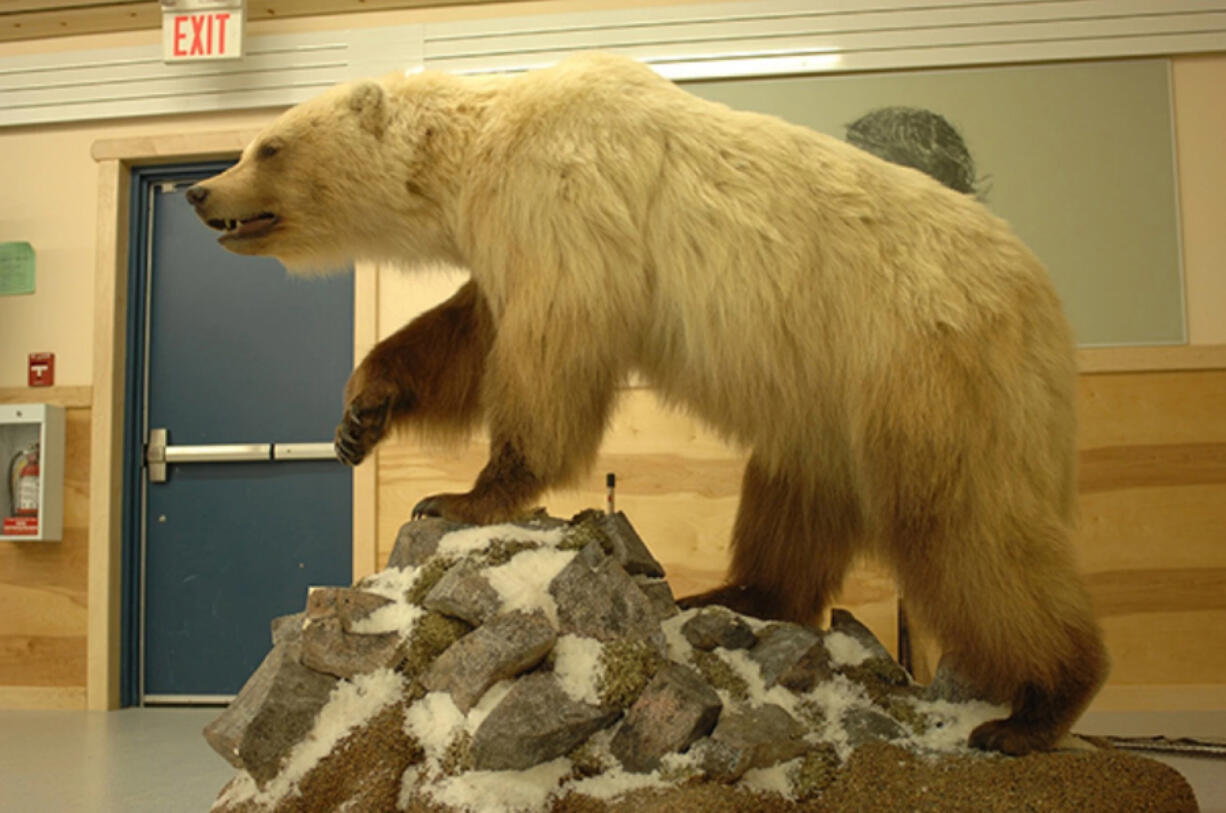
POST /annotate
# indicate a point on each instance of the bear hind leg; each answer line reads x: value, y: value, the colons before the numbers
x: 792, y: 544
x: 1018, y: 623
x: 1043, y: 710
x: 1042, y: 715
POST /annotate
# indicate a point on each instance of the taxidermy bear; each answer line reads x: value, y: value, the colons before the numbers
x: 894, y: 358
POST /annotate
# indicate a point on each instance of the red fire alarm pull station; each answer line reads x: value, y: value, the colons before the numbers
x: 42, y: 369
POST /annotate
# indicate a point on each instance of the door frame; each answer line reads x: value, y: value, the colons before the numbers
x: 117, y: 159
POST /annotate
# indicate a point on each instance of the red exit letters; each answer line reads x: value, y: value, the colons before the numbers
x: 202, y: 35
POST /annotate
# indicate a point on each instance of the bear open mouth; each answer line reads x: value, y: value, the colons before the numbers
x: 246, y: 228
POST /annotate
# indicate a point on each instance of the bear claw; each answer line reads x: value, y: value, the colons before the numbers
x: 359, y: 431
x: 428, y: 507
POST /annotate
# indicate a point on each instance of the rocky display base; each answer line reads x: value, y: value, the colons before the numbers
x: 544, y: 666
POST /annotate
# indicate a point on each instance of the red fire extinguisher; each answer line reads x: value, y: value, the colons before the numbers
x: 23, y: 482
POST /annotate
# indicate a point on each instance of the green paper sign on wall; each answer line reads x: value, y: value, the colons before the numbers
x: 16, y: 269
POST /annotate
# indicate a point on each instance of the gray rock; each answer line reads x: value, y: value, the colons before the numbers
x: 843, y: 621
x: 274, y: 710
x: 597, y: 599
x: 503, y: 648
x: 536, y: 722
x: 948, y: 684
x: 864, y: 725
x: 659, y: 594
x: 752, y: 738
x: 792, y: 656
x: 627, y: 546
x: 617, y: 538
x: 464, y: 593
x: 880, y: 663
x: 716, y: 626
x: 418, y: 540
x: 328, y: 648
x: 346, y: 604
x: 287, y: 628
x: 676, y: 708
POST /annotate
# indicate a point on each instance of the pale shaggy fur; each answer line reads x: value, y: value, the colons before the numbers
x: 894, y: 357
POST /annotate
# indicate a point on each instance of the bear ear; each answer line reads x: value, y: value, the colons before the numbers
x: 366, y: 101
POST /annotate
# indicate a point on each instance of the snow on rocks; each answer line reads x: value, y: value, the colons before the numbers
x: 502, y: 668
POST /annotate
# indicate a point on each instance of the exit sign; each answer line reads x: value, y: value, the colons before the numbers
x: 204, y: 33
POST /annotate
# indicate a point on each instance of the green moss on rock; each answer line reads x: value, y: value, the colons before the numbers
x: 719, y: 674
x: 626, y: 667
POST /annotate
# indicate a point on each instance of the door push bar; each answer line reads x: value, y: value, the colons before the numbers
x: 158, y: 453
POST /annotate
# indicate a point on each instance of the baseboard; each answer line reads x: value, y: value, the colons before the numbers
x: 1167, y: 697
x: 42, y: 697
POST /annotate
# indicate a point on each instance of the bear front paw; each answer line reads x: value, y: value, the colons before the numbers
x: 360, y: 430
x: 469, y: 508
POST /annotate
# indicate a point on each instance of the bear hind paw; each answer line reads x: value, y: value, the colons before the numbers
x: 1013, y: 737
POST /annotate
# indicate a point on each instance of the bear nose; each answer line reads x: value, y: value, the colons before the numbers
x: 197, y: 195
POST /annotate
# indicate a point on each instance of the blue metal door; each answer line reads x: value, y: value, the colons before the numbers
x: 245, y: 368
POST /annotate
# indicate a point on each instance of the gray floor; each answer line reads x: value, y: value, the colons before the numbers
x: 155, y: 760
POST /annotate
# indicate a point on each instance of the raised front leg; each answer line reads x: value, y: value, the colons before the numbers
x: 547, y: 393
x: 426, y: 375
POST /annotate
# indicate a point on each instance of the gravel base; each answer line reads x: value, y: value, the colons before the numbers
x: 881, y: 778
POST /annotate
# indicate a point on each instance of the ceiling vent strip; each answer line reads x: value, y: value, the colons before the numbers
x: 124, y: 82
x: 689, y: 41
x: 786, y: 35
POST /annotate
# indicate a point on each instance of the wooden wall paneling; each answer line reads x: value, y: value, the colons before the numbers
x: 43, y: 595
x: 59, y: 698
x: 1137, y: 528
x: 678, y: 483
x: 1143, y: 408
x: 1151, y: 359
x: 1152, y: 498
x: 1152, y: 536
x: 58, y: 396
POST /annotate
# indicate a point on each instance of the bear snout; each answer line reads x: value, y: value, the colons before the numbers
x: 197, y: 195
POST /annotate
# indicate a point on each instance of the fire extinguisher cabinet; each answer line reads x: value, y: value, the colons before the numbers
x: 32, y: 454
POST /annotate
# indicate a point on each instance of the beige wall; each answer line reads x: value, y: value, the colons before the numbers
x: 49, y: 188
x: 1200, y: 132
x: 49, y: 200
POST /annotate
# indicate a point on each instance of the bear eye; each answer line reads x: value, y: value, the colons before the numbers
x: 268, y: 150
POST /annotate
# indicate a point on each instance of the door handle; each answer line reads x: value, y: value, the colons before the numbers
x: 158, y: 453
x: 303, y: 451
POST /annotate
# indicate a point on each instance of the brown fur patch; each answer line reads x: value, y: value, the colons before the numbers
x: 503, y: 489
x: 791, y: 546
x: 426, y: 376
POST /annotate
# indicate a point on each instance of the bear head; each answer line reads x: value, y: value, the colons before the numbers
x: 326, y: 183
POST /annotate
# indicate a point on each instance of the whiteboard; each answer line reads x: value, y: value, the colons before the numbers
x: 1078, y: 157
